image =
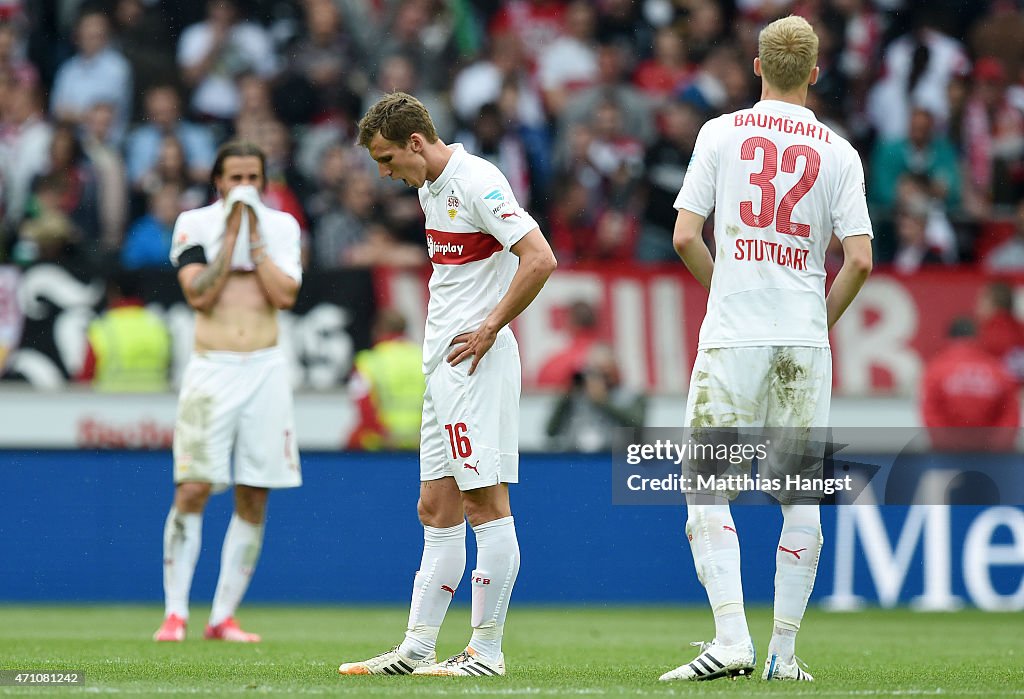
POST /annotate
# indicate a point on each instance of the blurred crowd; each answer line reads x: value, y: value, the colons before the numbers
x: 111, y: 110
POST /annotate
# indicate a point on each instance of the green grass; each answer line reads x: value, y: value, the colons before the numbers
x: 551, y: 652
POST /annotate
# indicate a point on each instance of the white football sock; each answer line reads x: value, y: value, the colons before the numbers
x: 441, y: 570
x: 796, y: 563
x: 183, y: 537
x: 716, y: 555
x: 238, y: 559
x: 497, y: 565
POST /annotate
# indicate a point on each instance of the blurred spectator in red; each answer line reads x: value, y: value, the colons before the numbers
x: 917, y: 69
x: 162, y: 106
x: 97, y: 73
x: 535, y: 23
x: 24, y: 148
x: 993, y: 138
x: 148, y: 241
x: 964, y: 391
x: 569, y: 63
x: 999, y: 331
x: 1008, y: 256
x: 1000, y: 35
x: 664, y: 72
x: 594, y: 405
x: 387, y: 387
x: 573, y: 219
x: 214, y: 52
x: 581, y: 324
x: 665, y: 166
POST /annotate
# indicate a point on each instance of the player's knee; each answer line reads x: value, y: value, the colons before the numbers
x: 485, y: 505
x: 251, y: 504
x: 191, y: 497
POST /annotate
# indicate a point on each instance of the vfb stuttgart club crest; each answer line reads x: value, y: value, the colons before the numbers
x: 453, y: 207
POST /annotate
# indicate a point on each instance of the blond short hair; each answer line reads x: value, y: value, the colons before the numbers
x: 396, y: 116
x: 788, y: 49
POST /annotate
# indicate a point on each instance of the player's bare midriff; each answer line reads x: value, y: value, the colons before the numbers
x: 242, y: 320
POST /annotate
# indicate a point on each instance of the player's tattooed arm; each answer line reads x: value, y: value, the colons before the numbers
x: 202, y: 284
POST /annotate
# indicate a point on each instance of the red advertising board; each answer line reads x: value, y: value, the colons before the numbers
x: 651, y: 317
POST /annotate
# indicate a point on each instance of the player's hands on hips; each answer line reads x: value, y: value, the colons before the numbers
x: 474, y: 344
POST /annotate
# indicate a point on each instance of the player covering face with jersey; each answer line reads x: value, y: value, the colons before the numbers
x: 780, y: 184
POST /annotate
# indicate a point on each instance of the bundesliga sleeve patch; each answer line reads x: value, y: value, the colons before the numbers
x: 500, y: 204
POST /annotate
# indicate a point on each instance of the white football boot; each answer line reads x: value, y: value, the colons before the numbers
x: 389, y: 663
x: 465, y: 664
x: 714, y: 661
x: 776, y: 670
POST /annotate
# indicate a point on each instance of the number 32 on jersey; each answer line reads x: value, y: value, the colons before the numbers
x: 767, y: 213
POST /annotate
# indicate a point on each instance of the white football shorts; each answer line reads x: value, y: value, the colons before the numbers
x: 470, y: 427
x: 785, y: 390
x: 239, y: 400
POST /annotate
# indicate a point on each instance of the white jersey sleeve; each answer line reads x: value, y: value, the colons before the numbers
x: 698, y: 192
x: 850, y: 207
x: 284, y: 242
x: 497, y: 212
x: 189, y: 231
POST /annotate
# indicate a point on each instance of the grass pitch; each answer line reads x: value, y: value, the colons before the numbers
x: 550, y: 652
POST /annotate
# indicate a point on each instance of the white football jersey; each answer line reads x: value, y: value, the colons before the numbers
x: 472, y: 219
x: 780, y: 183
x: 205, y: 227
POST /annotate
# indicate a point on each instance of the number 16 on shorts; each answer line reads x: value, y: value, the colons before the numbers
x: 459, y: 440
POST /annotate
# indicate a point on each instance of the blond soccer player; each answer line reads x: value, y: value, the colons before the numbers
x: 781, y: 184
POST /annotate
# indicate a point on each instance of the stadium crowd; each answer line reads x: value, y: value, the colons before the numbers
x: 110, y: 112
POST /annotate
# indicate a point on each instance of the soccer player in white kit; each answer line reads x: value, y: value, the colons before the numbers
x: 490, y: 261
x: 238, y: 264
x: 780, y: 184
